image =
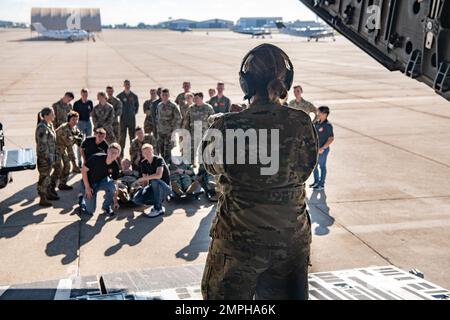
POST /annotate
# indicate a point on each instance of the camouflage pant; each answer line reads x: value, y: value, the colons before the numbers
x: 110, y: 136
x: 183, y: 181
x: 148, y: 125
x: 164, y: 146
x: 116, y: 130
x: 61, y: 169
x: 239, y: 271
x: 44, y: 169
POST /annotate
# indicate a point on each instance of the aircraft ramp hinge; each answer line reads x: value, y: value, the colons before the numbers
x: 414, y: 64
x: 442, y: 80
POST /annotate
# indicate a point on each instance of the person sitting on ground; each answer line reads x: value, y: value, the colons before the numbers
x: 127, y: 185
x: 155, y: 181
x: 182, y: 177
x: 100, y: 173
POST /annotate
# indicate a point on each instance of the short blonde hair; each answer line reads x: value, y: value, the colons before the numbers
x: 146, y: 146
x: 116, y: 146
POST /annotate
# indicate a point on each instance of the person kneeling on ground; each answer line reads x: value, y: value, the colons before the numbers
x: 182, y: 177
x: 128, y: 184
x: 100, y: 173
x: 156, y: 182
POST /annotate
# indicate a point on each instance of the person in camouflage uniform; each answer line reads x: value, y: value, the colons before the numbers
x: 136, y: 146
x: 62, y: 109
x: 45, y: 137
x: 181, y: 99
x: 182, y: 177
x: 219, y: 102
x: 117, y: 105
x: 154, y: 110
x: 198, y: 112
x: 168, y: 119
x: 301, y: 104
x: 66, y: 136
x: 211, y: 93
x: 149, y: 122
x: 103, y: 117
x: 261, y: 234
x: 130, y: 107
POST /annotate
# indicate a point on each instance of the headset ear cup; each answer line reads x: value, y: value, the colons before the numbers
x: 247, y: 84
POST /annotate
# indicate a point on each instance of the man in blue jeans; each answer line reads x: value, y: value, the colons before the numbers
x: 156, y: 181
x: 100, y: 173
x: 326, y: 137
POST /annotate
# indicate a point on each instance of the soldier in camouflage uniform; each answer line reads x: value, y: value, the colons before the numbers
x: 198, y: 112
x: 130, y: 107
x: 154, y: 109
x: 136, y: 146
x: 262, y: 232
x: 301, y: 104
x: 219, y: 102
x: 103, y: 117
x: 45, y: 151
x: 62, y: 109
x: 66, y: 136
x: 181, y: 99
x: 117, y: 105
x: 168, y: 119
x: 149, y: 123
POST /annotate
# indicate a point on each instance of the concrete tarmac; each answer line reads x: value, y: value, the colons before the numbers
x: 386, y: 199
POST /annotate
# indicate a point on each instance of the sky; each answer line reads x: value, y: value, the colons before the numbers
x: 154, y: 11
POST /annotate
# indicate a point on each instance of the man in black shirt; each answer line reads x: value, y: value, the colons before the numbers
x: 156, y: 181
x: 100, y: 173
x: 84, y: 108
x: 326, y: 137
x: 93, y: 145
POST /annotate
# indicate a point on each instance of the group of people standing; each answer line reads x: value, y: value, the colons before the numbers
x: 261, y: 233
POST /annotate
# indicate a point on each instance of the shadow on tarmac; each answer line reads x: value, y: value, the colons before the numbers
x: 320, y: 213
x: 200, y: 240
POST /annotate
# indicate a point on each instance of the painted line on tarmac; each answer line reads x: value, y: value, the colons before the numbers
x: 63, y: 290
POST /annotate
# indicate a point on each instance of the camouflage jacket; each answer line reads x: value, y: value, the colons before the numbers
x: 305, y: 106
x: 181, y: 102
x: 148, y: 112
x: 65, y: 139
x: 264, y: 209
x: 168, y: 118
x: 136, y: 145
x: 103, y: 116
x: 45, y: 137
x: 130, y: 106
x: 220, y: 104
x: 117, y: 105
x: 61, y: 111
x: 197, y: 113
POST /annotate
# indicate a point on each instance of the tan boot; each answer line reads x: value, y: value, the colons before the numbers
x: 176, y: 188
x: 43, y: 202
x: 193, y: 187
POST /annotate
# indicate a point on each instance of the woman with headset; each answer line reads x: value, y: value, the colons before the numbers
x: 261, y: 234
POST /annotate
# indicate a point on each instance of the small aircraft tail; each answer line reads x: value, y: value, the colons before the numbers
x: 39, y: 27
x: 280, y: 25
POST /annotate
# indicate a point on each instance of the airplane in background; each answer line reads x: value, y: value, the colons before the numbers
x: 314, y: 31
x: 181, y: 29
x: 254, y: 31
x: 67, y: 34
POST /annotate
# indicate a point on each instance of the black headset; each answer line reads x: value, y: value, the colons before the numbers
x: 247, y: 80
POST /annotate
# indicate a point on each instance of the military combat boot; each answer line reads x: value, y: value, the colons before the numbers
x: 75, y: 168
x: 176, y: 188
x: 193, y: 187
x: 43, y: 202
x: 63, y: 186
x: 52, y: 195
